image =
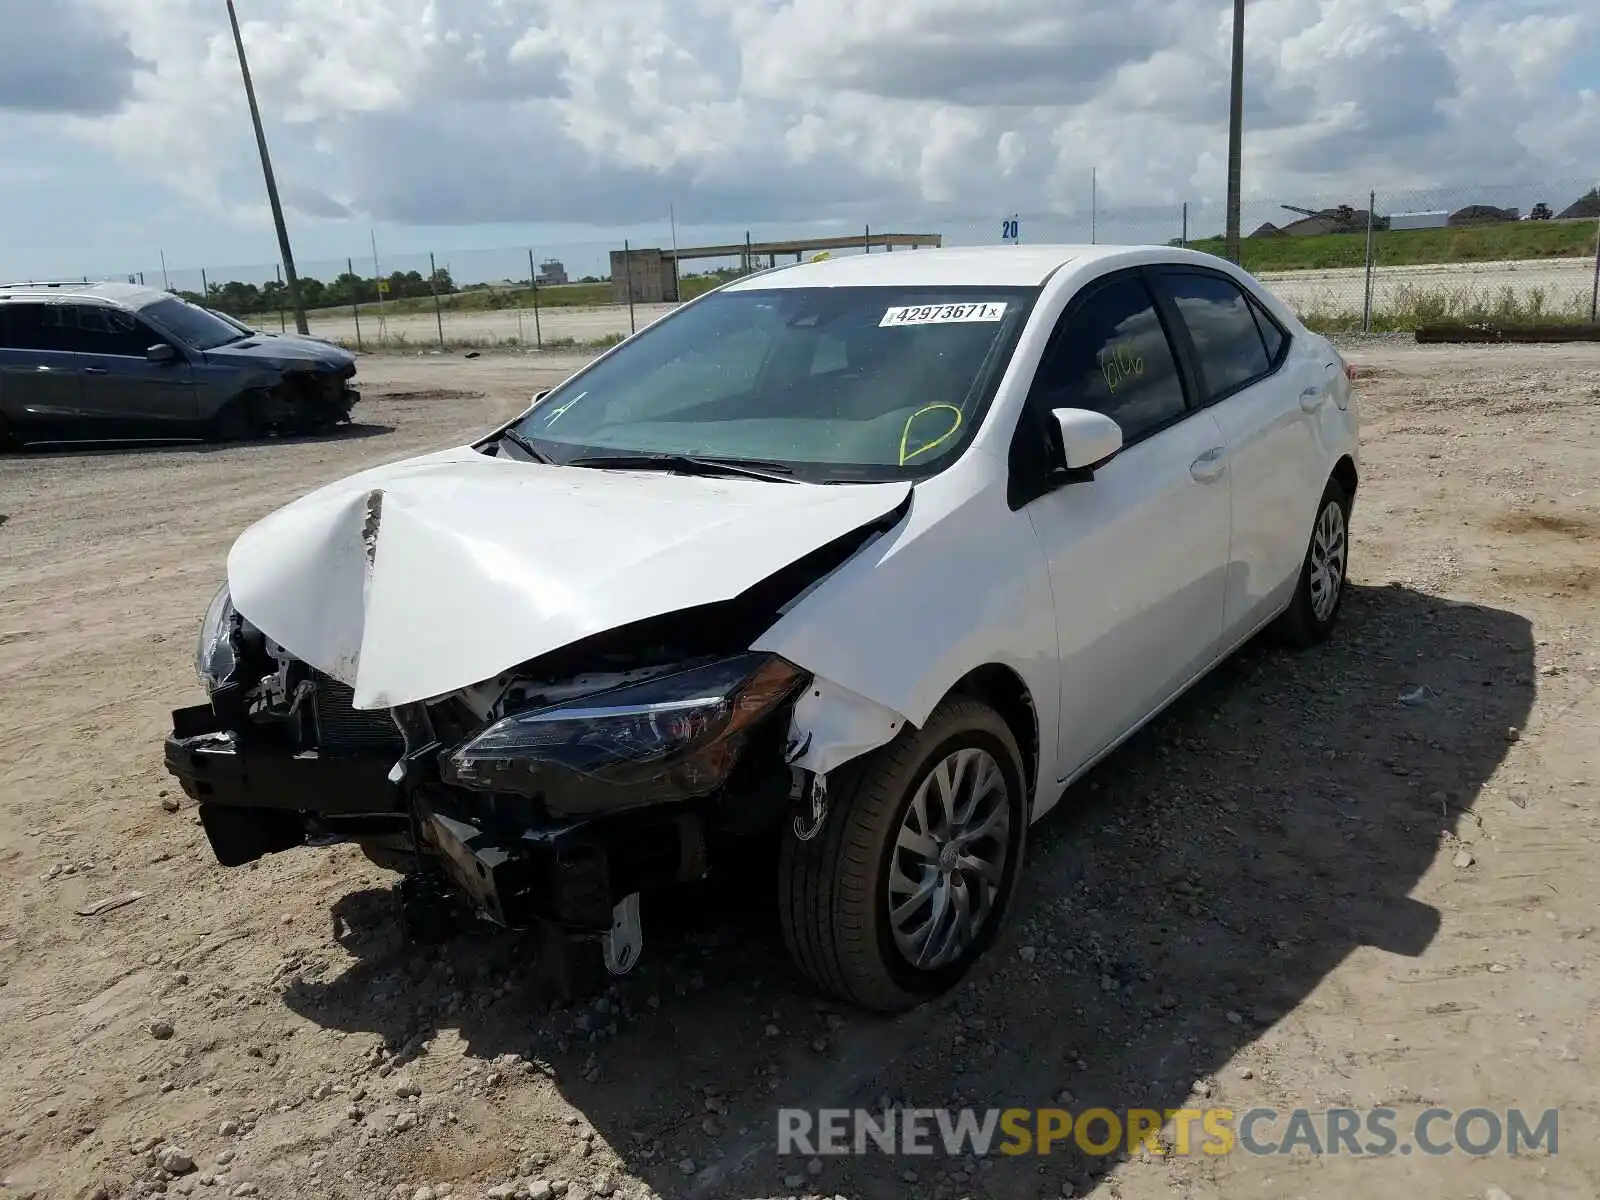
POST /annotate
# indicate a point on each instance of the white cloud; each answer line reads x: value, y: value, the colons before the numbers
x: 422, y: 111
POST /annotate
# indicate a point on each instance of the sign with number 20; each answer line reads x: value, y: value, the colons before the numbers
x: 1010, y: 229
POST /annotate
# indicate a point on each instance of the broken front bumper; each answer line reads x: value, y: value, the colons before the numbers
x: 256, y: 800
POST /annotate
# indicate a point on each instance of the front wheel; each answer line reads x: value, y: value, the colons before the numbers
x: 1319, y: 594
x: 910, y: 880
x: 235, y: 421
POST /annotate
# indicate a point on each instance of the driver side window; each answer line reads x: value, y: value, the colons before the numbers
x: 105, y: 330
x: 1111, y: 355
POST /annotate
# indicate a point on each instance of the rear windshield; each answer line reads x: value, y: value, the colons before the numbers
x: 837, y: 383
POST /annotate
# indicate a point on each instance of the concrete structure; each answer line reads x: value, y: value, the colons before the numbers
x: 552, y: 271
x: 654, y: 271
x: 643, y: 276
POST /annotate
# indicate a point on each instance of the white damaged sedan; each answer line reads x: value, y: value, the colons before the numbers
x: 864, y: 559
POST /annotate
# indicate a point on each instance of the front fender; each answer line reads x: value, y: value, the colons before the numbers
x: 960, y: 583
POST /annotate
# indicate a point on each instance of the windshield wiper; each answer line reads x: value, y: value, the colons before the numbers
x: 691, y: 464
x: 510, y: 434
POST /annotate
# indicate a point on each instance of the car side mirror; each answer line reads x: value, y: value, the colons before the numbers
x: 541, y: 394
x: 1088, y: 438
x: 161, y: 353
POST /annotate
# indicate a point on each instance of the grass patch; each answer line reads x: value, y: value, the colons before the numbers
x: 1408, y: 307
x: 566, y: 295
x: 1414, y: 247
x: 399, y: 343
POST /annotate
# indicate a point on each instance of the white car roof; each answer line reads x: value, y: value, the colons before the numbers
x: 981, y: 266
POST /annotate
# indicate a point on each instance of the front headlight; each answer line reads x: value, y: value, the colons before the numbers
x: 670, y: 738
x: 216, y: 656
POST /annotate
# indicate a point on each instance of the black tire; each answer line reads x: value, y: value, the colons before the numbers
x: 235, y: 421
x: 1302, y: 624
x: 832, y: 892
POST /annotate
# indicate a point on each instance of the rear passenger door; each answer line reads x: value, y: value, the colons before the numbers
x: 41, y: 387
x: 1253, y: 383
x: 1136, y: 555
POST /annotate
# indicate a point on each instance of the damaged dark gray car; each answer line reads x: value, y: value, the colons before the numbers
x: 116, y: 362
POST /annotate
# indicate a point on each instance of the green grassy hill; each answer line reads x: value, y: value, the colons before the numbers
x: 1405, y: 247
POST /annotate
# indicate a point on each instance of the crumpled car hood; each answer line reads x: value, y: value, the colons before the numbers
x: 417, y: 579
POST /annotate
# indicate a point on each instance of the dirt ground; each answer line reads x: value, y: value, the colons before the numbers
x: 1295, y: 889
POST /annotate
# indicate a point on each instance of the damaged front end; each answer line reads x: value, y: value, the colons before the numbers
x: 304, y: 399
x: 576, y: 799
x: 549, y: 797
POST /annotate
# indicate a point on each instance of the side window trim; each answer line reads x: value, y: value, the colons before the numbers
x: 1183, y: 347
x: 1258, y: 314
x: 1263, y: 319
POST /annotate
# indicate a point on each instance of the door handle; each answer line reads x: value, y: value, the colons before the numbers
x: 94, y: 370
x: 1311, y: 399
x: 1208, y: 468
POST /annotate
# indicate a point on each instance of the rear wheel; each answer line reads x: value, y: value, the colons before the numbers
x: 911, y: 878
x: 1319, y: 594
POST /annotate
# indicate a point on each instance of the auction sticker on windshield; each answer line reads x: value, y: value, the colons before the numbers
x: 941, y: 314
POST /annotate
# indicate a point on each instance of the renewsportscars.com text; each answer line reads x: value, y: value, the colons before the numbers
x: 1374, y: 1132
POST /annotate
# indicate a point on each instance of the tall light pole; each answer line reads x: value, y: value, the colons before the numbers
x: 1235, y: 131
x: 291, y: 280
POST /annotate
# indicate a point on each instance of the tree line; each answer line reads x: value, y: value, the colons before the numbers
x: 239, y: 298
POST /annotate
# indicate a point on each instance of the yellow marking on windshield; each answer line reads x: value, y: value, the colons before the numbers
x: 905, y: 433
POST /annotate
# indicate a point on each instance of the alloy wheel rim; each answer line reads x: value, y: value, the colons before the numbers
x: 1327, y: 560
x: 949, y: 858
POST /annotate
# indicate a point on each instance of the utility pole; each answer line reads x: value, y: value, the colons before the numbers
x: 1235, y: 131
x: 672, y: 219
x: 290, y: 278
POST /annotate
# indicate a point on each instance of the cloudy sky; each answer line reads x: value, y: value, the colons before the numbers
x: 462, y: 124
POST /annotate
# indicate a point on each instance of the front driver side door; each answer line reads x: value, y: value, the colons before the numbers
x: 124, y: 393
x: 1138, y: 554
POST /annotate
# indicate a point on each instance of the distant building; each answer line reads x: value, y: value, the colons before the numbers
x: 552, y: 272
x: 644, y: 275
x: 1433, y: 219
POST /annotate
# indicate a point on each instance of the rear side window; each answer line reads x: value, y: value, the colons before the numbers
x: 1112, y: 356
x: 1271, y: 333
x: 31, y: 327
x: 1223, y: 325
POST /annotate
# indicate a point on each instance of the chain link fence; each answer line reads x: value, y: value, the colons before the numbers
x: 1368, y: 259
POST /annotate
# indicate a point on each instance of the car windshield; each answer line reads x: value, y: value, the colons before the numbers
x: 191, y: 324
x: 837, y: 383
x: 227, y: 320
